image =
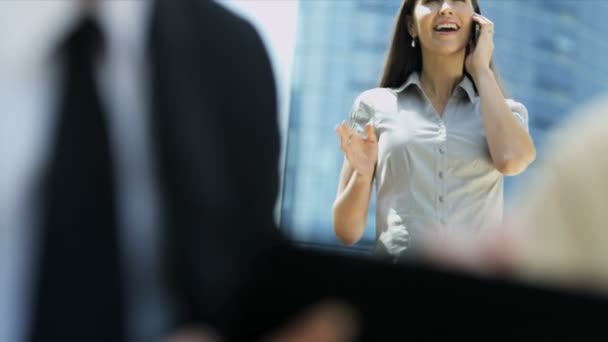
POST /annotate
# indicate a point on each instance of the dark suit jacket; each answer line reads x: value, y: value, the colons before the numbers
x: 216, y: 133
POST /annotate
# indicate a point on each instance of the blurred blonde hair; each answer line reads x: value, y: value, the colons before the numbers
x: 562, y: 210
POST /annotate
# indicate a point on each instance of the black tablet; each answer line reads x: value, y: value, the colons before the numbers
x: 396, y: 301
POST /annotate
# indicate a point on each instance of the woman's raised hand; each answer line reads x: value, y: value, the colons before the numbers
x: 361, y: 152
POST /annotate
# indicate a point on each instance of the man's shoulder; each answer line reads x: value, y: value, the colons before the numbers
x: 220, y: 19
x: 204, y: 18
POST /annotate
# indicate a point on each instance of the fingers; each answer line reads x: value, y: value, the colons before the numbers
x: 330, y: 321
x: 342, y: 129
x: 193, y: 334
x: 344, y: 133
x: 370, y: 132
x: 486, y: 25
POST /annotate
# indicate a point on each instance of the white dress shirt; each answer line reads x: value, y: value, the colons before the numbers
x: 434, y: 173
x: 29, y: 82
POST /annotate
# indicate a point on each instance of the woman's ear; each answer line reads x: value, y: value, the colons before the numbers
x: 411, y: 28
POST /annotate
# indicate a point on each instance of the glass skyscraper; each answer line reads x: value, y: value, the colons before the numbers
x: 551, y: 55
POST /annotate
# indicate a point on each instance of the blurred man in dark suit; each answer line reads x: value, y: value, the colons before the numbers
x: 139, y: 167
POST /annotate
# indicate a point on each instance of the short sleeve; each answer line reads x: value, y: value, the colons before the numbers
x: 520, y: 112
x: 361, y: 113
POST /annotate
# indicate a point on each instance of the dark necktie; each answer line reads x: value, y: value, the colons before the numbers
x: 79, y: 294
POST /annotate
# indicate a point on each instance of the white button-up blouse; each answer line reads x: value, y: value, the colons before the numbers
x: 434, y: 173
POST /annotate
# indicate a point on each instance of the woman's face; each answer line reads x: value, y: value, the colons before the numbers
x: 442, y: 26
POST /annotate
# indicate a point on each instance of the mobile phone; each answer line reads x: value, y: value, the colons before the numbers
x: 474, y: 34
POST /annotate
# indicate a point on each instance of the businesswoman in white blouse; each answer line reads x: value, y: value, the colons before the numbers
x: 437, y: 137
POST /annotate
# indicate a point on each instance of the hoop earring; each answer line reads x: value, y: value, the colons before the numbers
x: 413, y: 42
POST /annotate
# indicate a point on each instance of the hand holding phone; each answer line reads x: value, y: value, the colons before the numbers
x: 481, y: 45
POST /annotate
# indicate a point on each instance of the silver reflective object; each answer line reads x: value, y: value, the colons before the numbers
x: 360, y: 116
